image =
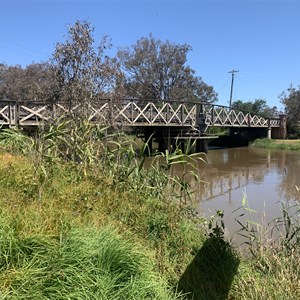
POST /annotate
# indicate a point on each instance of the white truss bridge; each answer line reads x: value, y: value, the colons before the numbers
x: 138, y: 113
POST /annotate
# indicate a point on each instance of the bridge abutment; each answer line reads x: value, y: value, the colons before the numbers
x: 280, y: 132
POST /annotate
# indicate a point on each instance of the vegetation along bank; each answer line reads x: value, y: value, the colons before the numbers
x: 277, y: 144
x: 82, y: 219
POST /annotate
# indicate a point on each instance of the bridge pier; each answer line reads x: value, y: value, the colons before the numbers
x: 201, y: 145
x: 269, y: 133
x: 172, y: 138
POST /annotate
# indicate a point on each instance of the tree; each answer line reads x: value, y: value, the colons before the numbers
x: 291, y: 102
x: 157, y: 70
x: 258, y: 107
x: 83, y: 72
x: 35, y: 82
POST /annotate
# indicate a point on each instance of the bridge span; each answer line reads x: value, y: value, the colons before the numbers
x: 165, y: 121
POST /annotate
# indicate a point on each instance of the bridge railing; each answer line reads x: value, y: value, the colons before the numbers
x: 132, y: 112
x: 8, y: 113
x: 218, y: 115
x: 136, y: 113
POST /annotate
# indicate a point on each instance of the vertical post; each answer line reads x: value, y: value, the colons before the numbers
x: 167, y: 115
x: 17, y: 114
x: 200, y: 120
x: 269, y: 129
x: 182, y: 116
x: 213, y: 115
x: 269, y: 132
x: 132, y: 113
x: 201, y: 145
x: 198, y: 114
x: 151, y: 113
x: 9, y: 113
x: 231, y: 89
x: 169, y: 139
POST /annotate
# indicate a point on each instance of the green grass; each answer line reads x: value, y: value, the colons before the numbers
x: 277, y: 144
x: 91, y: 222
x: 84, y: 263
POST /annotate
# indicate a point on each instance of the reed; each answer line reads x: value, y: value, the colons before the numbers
x: 76, y: 200
x: 271, y: 272
x: 55, y: 186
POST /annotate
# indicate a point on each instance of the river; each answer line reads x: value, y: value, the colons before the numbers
x: 264, y: 177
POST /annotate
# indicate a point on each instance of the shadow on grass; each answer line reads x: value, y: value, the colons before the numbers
x: 210, y: 274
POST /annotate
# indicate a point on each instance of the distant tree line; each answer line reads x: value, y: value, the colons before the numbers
x: 81, y: 72
x: 256, y: 107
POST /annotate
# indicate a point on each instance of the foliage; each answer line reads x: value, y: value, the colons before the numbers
x: 157, y: 70
x: 34, y: 82
x: 93, y: 178
x: 258, y: 107
x: 83, y: 73
x: 291, y: 100
x: 96, y: 176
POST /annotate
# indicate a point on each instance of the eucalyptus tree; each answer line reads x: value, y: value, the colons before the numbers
x: 34, y: 82
x: 158, y: 70
x: 83, y: 72
x: 258, y: 107
x: 291, y: 102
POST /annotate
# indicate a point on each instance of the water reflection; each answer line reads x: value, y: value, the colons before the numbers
x: 267, y: 177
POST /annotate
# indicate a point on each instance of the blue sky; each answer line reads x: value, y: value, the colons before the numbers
x: 258, y: 38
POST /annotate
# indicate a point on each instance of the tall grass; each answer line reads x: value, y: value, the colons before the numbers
x: 75, y: 177
x: 271, y: 272
x: 84, y: 263
x: 62, y: 186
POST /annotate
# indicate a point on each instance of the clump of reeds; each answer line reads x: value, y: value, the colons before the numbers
x: 271, y: 272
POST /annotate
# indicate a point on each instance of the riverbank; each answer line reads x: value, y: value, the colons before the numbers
x: 83, y: 220
x: 265, y: 143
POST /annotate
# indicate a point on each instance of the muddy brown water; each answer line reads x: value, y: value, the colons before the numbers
x: 267, y: 178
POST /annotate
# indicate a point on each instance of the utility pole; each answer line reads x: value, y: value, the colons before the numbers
x: 232, y: 80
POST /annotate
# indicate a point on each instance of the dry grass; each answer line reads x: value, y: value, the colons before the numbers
x: 289, y: 142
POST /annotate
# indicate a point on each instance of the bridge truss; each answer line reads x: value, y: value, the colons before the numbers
x: 139, y: 113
